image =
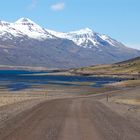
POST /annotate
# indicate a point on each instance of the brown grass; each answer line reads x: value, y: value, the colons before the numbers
x: 11, y: 99
x: 131, y: 67
x: 128, y: 101
x: 128, y: 83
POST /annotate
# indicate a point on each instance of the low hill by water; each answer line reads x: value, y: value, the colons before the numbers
x: 130, y: 67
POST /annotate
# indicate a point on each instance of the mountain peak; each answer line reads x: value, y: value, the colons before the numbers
x: 87, y: 29
x: 83, y: 31
x: 24, y: 21
x: 31, y: 29
x: 4, y: 23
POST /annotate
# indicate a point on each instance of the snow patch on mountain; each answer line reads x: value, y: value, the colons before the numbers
x: 86, y: 38
x: 31, y: 29
x: 23, y: 27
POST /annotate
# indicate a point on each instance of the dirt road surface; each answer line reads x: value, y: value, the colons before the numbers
x: 70, y: 119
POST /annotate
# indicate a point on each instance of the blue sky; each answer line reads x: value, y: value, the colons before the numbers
x: 119, y: 19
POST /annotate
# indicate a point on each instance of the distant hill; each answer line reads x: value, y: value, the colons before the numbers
x: 129, y: 67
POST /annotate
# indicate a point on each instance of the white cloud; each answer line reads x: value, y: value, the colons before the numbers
x: 32, y: 5
x: 58, y: 6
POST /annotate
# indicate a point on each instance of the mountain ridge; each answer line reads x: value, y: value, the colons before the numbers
x: 26, y: 43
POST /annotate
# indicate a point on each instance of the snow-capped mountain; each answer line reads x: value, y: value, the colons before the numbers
x: 87, y: 38
x: 25, y: 43
x: 23, y: 27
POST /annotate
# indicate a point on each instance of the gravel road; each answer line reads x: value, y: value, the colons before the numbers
x: 70, y: 119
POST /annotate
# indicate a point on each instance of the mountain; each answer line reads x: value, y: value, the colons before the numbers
x: 23, y: 27
x: 25, y: 43
x: 87, y: 38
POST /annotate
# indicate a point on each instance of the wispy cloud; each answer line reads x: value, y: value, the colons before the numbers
x: 32, y: 5
x: 58, y: 6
